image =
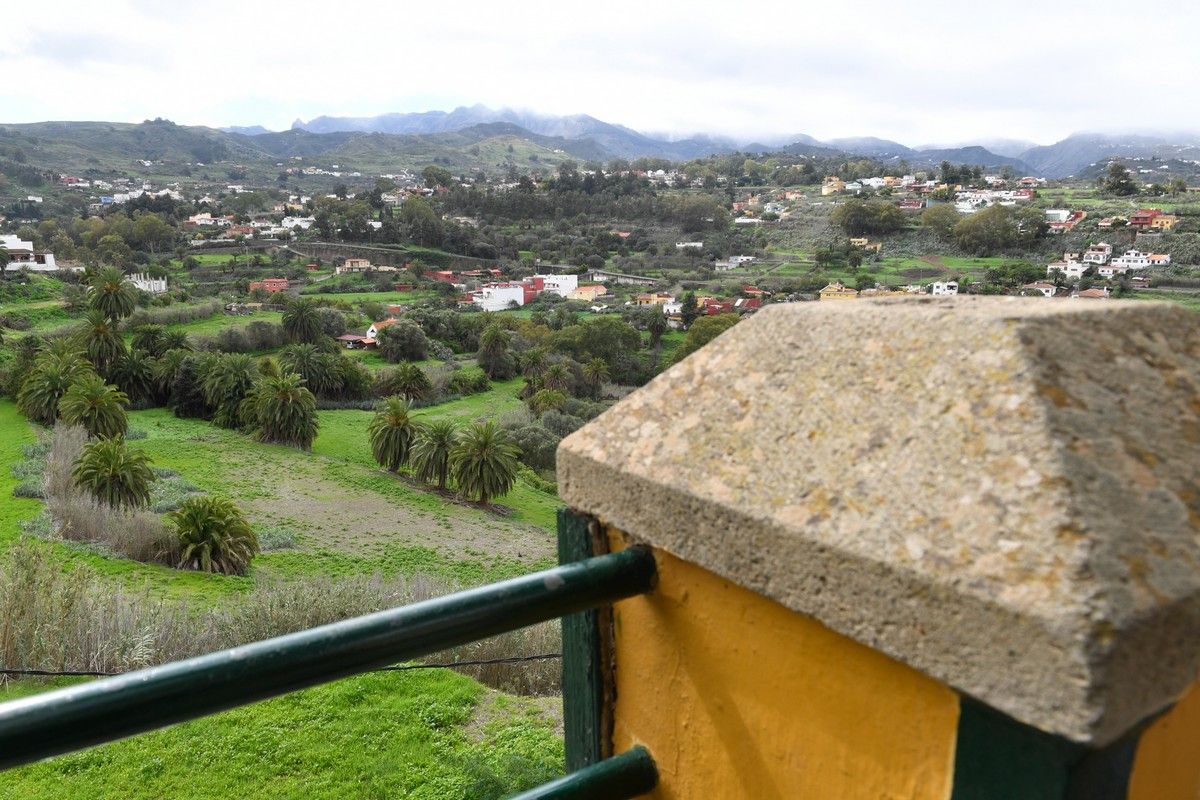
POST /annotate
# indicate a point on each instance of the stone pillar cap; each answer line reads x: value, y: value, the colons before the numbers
x: 1003, y: 493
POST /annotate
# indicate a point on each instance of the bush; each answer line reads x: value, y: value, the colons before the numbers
x: 233, y: 340
x: 71, y: 620
x: 403, y: 340
x: 468, y: 380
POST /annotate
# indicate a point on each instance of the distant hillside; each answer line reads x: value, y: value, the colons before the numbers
x: 78, y: 145
x: 870, y: 146
x: 974, y: 155
x: 1078, y: 151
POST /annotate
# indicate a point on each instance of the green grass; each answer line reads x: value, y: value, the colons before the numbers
x: 423, y: 735
x: 1186, y: 299
x: 15, y: 433
x: 219, y: 322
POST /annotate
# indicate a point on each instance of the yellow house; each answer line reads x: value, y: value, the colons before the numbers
x: 838, y: 291
x: 588, y: 292
x: 1165, y: 222
x: 652, y: 299
x: 866, y: 244
x: 832, y: 185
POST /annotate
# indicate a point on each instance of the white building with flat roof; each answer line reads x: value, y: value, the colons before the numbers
x: 944, y: 288
x: 21, y: 255
x: 499, y: 296
x: 561, y: 285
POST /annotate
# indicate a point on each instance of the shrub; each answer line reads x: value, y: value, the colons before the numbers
x: 213, y: 536
x: 403, y: 340
x: 469, y: 380
x: 71, y: 620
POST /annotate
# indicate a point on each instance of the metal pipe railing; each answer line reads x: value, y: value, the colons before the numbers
x: 618, y: 778
x: 81, y: 716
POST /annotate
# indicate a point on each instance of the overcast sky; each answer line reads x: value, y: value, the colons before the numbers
x: 920, y: 72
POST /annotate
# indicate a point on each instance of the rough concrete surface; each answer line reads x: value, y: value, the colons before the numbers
x: 1003, y: 493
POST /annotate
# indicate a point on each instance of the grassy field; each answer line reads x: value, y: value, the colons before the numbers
x: 219, y: 322
x: 1187, y: 299
x: 424, y: 734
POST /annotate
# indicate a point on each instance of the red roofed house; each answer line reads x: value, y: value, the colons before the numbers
x: 376, y: 327
x: 443, y: 275
x: 747, y: 304
x: 270, y: 285
x: 1143, y: 217
x: 713, y: 307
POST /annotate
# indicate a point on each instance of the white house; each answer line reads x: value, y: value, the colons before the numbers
x: 672, y: 307
x: 147, y: 284
x: 1133, y: 259
x: 1047, y: 289
x: 944, y: 288
x: 1159, y: 259
x: 692, y: 245
x: 733, y: 262
x: 1072, y: 270
x: 499, y: 296
x: 561, y: 285
x: 1110, y: 270
x: 21, y: 255
x: 1098, y: 253
x: 303, y: 223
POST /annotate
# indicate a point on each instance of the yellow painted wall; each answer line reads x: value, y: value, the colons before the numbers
x: 1167, y: 763
x: 738, y: 697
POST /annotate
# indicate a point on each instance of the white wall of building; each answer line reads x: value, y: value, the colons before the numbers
x: 561, y: 285
x: 500, y: 297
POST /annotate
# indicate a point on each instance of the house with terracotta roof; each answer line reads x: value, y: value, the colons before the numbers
x: 838, y: 291
x: 588, y: 292
x: 376, y: 327
x: 270, y: 285
x: 1143, y: 218
x: 1092, y: 294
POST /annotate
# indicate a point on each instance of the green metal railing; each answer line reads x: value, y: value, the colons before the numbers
x: 69, y: 719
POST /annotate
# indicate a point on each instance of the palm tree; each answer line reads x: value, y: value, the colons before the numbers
x: 214, y: 536
x: 493, y: 353
x: 316, y: 368
x: 149, y: 339
x: 409, y: 381
x: 165, y: 368
x: 113, y: 295
x: 430, y: 453
x: 546, y: 400
x: 176, y: 340
x: 134, y: 375
x: 302, y: 322
x: 100, y: 342
x: 51, y: 377
x: 284, y: 411
x: 595, y: 372
x: 228, y: 382
x: 533, y: 362
x: 391, y: 433
x: 483, y: 462
x: 557, y: 377
x: 113, y: 474
x: 97, y: 406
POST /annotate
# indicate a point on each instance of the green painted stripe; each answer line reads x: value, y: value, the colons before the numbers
x: 999, y: 758
x: 582, y: 678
